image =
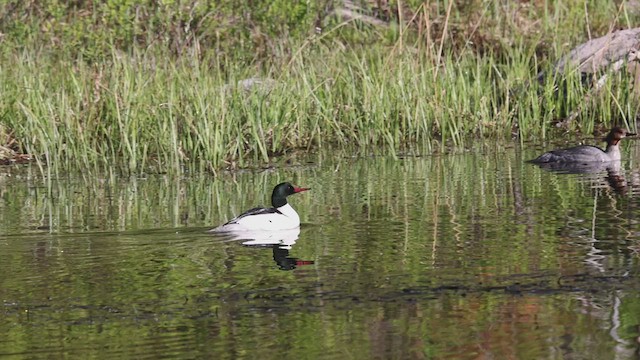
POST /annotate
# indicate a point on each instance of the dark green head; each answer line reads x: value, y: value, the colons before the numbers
x: 281, y: 191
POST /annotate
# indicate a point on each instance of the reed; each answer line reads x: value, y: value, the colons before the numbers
x: 147, y: 110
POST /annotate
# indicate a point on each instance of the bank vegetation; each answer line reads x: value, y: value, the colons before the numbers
x: 193, y: 85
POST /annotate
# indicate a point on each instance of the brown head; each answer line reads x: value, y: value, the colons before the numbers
x: 616, y: 134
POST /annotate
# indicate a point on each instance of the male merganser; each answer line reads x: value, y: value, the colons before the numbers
x: 587, y: 153
x: 279, y: 217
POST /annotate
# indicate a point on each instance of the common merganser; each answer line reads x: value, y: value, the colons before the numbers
x: 587, y: 153
x: 279, y: 217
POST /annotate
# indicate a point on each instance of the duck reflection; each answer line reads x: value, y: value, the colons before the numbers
x: 615, y: 179
x: 604, y: 173
x: 280, y: 242
x: 579, y: 167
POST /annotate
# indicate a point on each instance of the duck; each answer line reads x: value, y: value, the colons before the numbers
x: 281, y: 216
x: 587, y: 153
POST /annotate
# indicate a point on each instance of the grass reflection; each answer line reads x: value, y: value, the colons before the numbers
x: 439, y: 256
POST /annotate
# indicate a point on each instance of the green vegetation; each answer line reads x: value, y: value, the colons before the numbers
x: 151, y: 86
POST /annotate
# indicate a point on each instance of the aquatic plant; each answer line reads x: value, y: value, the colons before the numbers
x: 432, y: 82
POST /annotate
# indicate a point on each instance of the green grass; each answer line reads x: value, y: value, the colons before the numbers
x: 146, y: 109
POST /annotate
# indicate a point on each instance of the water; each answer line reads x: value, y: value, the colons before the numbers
x: 468, y: 255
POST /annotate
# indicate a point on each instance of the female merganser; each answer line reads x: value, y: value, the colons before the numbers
x: 587, y: 153
x: 280, y: 217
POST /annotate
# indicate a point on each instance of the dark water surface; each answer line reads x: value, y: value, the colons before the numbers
x: 467, y: 256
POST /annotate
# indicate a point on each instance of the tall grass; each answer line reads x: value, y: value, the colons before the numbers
x: 148, y: 110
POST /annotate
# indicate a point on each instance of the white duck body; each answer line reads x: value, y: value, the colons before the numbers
x: 269, y: 219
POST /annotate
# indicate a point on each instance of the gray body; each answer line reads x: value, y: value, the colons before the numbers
x: 587, y: 153
x: 583, y: 153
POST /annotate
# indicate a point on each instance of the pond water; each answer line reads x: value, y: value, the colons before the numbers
x: 468, y: 255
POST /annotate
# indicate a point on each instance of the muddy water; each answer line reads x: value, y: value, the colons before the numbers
x: 468, y: 255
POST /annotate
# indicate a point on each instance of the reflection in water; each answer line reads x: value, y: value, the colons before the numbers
x: 615, y: 179
x: 608, y: 173
x: 606, y: 221
x: 284, y: 261
x: 599, y: 176
x: 283, y: 238
x: 466, y: 255
x: 579, y: 167
x: 279, y: 241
